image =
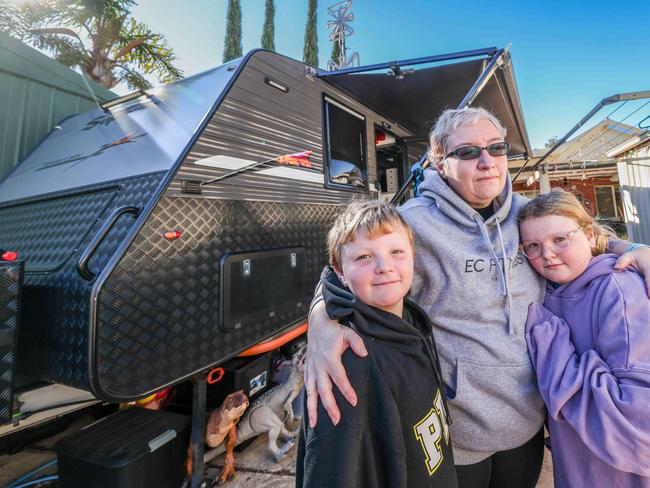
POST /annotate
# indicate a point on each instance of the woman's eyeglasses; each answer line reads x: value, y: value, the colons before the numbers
x: 466, y: 153
x: 559, y: 244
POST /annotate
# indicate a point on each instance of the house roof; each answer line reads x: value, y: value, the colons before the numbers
x: 630, y: 144
x: 594, y: 144
x: 587, y: 155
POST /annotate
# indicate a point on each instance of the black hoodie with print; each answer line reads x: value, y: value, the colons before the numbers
x: 398, y: 433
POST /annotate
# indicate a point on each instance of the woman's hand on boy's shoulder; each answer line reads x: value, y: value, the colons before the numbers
x: 326, y: 343
x: 638, y: 259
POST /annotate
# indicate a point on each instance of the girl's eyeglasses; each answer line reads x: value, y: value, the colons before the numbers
x: 559, y: 244
x: 466, y: 153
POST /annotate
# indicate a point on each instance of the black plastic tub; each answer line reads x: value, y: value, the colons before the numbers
x: 133, y: 448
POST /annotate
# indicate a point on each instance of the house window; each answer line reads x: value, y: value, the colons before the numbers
x: 345, y: 134
x: 606, y: 207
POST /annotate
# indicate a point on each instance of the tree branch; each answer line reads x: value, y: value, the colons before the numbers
x: 130, y: 47
x: 60, y: 30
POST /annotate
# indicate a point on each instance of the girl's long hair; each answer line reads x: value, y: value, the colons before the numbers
x: 565, y: 204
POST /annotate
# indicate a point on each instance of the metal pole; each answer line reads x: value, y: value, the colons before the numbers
x: 482, y: 80
x: 411, y: 62
x: 605, y: 101
x: 237, y: 172
x: 199, y: 388
x: 398, y: 196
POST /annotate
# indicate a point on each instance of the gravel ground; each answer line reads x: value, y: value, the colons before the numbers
x: 255, y: 465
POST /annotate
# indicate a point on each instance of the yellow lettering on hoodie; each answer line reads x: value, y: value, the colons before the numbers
x: 430, y: 431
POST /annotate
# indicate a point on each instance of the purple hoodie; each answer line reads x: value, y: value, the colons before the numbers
x: 590, y: 346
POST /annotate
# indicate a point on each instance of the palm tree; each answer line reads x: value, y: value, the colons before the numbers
x: 11, y: 21
x: 98, y: 36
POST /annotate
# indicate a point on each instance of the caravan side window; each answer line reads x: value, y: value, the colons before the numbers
x: 345, y: 136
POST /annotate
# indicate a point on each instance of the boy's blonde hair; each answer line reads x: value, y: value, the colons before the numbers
x: 373, y: 216
x: 565, y: 204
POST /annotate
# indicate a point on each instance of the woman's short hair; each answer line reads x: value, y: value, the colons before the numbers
x: 376, y: 217
x: 452, y: 119
x: 565, y: 204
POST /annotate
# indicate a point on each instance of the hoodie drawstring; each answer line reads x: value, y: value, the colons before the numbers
x: 502, y: 269
x: 434, y: 359
x: 505, y: 274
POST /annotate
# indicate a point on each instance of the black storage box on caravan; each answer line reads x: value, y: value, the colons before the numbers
x: 167, y: 233
x: 133, y: 448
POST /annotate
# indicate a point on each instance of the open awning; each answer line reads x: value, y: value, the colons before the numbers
x: 414, y: 92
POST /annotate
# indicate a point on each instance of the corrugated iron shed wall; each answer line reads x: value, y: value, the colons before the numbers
x: 634, y: 178
x: 36, y: 93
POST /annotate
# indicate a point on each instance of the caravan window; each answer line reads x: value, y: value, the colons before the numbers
x: 345, y: 133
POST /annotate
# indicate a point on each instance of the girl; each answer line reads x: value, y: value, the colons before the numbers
x: 590, y: 346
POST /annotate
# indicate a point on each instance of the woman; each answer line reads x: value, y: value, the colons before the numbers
x: 476, y: 288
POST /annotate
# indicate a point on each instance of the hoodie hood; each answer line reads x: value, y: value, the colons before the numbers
x: 457, y: 209
x: 341, y: 304
x: 405, y: 333
x: 599, y: 266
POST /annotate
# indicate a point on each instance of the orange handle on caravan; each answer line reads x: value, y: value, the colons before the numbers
x: 276, y: 342
x: 215, y: 376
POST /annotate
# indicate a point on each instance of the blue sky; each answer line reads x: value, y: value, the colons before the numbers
x: 567, y: 55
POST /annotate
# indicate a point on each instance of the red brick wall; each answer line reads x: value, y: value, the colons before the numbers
x: 583, y: 189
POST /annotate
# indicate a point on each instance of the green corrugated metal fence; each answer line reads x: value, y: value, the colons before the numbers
x: 36, y: 93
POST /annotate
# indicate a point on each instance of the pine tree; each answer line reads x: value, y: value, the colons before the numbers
x: 336, y: 52
x: 232, y: 45
x: 268, y: 32
x: 310, y: 53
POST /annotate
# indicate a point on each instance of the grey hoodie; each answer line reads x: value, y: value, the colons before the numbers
x: 476, y: 288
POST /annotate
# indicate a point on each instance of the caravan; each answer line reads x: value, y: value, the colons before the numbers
x: 175, y: 228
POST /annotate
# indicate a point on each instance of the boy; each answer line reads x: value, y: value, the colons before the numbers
x: 398, y: 433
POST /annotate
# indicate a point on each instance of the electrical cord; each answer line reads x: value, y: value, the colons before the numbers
x: 16, y: 483
x: 38, y: 481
